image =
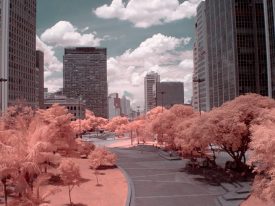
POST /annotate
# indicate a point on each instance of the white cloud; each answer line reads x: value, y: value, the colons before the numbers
x: 159, y: 53
x: 54, y: 83
x: 51, y: 66
x: 148, y: 13
x: 64, y: 34
x: 51, y: 63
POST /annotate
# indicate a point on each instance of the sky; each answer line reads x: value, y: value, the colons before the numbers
x: 140, y: 36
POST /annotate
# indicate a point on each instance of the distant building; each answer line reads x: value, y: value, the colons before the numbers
x: 169, y: 93
x: 114, y: 105
x: 236, y: 49
x: 200, y: 73
x: 17, y: 52
x: 150, y: 81
x: 125, y: 106
x: 85, y: 74
x: 39, y: 78
x: 75, y: 106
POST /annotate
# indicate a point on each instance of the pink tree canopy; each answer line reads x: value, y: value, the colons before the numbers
x: 262, y: 155
x: 166, y: 123
x: 229, y: 125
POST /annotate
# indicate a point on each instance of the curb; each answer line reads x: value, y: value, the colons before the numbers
x: 131, y: 189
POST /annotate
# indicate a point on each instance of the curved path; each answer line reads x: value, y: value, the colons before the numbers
x: 160, y: 182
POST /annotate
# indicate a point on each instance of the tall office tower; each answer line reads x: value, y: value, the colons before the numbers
x: 269, y: 11
x: 17, y: 59
x: 114, y: 105
x: 150, y: 81
x: 236, y: 49
x: 195, y: 94
x: 85, y: 75
x: 170, y: 93
x: 125, y: 106
x: 200, y: 73
x: 39, y: 78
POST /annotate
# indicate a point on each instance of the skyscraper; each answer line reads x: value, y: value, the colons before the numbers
x: 170, y: 93
x: 269, y: 11
x: 236, y: 49
x: 39, y: 78
x: 17, y: 59
x: 200, y: 80
x: 125, y: 106
x: 114, y: 105
x: 85, y: 74
x: 150, y: 81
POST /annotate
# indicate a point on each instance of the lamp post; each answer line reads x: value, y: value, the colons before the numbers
x: 79, y: 116
x: 199, y: 81
x: 2, y: 96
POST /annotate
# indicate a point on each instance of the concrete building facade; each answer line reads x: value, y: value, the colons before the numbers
x: 39, y: 78
x: 125, y: 106
x: 200, y: 73
x: 114, y: 105
x: 85, y: 74
x: 236, y: 49
x: 76, y: 107
x: 17, y: 58
x: 150, y: 81
x: 169, y: 93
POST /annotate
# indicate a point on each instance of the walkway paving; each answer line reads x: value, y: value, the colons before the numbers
x: 159, y: 182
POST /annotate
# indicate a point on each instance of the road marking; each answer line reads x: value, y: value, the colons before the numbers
x: 155, y: 175
x: 173, y: 196
x: 165, y: 181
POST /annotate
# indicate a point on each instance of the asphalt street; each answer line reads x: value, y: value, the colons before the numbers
x: 160, y: 182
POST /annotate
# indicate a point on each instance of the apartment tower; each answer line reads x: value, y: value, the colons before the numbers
x: 236, y: 49
x: 150, y: 81
x: 85, y: 75
x: 170, y: 93
x: 39, y: 79
x: 200, y: 73
x: 17, y: 47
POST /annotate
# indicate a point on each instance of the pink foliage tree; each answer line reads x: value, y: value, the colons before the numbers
x: 166, y: 123
x: 229, y: 125
x: 91, y: 122
x: 101, y: 157
x: 58, y: 120
x: 70, y: 175
x: 262, y: 155
x: 117, y: 125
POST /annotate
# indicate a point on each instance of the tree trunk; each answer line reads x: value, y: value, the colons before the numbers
x: 70, y: 195
x: 97, y: 182
x: 214, y: 154
x: 5, y: 192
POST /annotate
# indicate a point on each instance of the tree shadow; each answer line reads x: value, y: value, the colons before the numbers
x: 216, y: 176
x: 56, y: 180
x: 76, y: 204
x: 106, y: 167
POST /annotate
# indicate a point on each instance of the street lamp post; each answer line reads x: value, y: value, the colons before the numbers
x: 162, y: 93
x: 2, y: 96
x: 79, y: 116
x: 199, y: 81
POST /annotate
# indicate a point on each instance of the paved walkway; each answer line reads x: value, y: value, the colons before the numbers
x: 159, y: 182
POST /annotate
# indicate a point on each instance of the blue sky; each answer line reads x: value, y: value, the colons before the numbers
x: 140, y: 36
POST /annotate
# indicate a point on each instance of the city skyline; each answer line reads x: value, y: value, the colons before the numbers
x: 163, y: 41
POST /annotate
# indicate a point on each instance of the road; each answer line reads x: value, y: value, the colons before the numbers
x: 160, y: 182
